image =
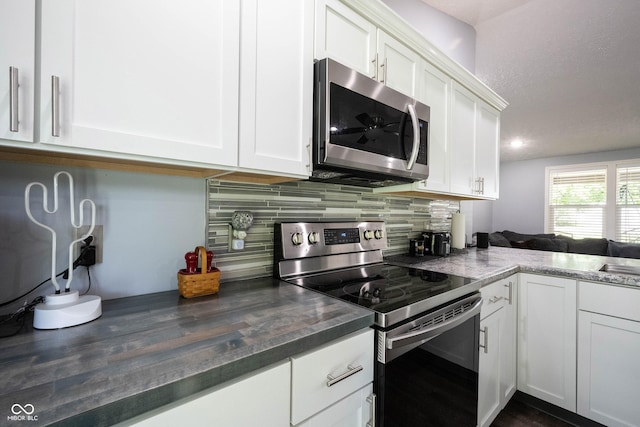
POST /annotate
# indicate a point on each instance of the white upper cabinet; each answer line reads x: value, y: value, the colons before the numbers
x: 463, y: 130
x: 276, y: 86
x: 123, y: 81
x: 17, y: 57
x: 488, y: 150
x: 345, y: 36
x: 435, y: 91
x: 398, y: 65
x: 349, y: 38
x: 475, y: 145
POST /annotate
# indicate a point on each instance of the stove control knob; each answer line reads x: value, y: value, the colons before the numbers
x: 297, y: 239
x: 368, y: 234
x: 314, y: 237
x: 378, y: 234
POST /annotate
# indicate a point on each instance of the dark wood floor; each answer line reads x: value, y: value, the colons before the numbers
x: 519, y: 414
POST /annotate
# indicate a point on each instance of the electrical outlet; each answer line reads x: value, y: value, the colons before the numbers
x: 97, y: 241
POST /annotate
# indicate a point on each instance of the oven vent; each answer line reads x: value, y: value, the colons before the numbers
x: 443, y: 317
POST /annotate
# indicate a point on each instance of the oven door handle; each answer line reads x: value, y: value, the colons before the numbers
x: 433, y: 331
x: 416, y: 137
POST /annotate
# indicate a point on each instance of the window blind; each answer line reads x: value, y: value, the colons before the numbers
x: 628, y: 203
x: 577, y: 202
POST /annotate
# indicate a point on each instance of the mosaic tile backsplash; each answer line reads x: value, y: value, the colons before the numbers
x: 405, y: 218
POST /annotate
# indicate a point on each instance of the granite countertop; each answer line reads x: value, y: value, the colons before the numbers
x: 150, y: 350
x: 495, y: 263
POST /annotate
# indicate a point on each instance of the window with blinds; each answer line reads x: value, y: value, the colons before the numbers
x: 627, y: 203
x: 577, y: 202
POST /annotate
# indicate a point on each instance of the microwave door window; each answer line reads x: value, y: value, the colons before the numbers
x: 364, y: 124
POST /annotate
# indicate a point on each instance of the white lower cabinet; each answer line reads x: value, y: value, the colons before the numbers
x: 609, y: 354
x: 328, y: 386
x: 259, y: 399
x: 324, y: 382
x: 496, y: 372
x: 547, y: 339
x: 357, y: 409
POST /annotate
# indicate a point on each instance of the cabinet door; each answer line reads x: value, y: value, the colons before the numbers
x: 488, y: 150
x: 397, y: 65
x: 260, y: 399
x: 276, y: 86
x: 311, y: 390
x: 489, y: 392
x: 355, y: 410
x: 17, y: 32
x: 509, y: 340
x: 608, y: 369
x: 462, y: 146
x: 131, y: 82
x: 547, y: 339
x: 345, y: 36
x: 435, y: 91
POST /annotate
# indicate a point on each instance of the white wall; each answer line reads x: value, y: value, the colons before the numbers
x: 453, y: 37
x: 521, y: 204
x: 149, y: 221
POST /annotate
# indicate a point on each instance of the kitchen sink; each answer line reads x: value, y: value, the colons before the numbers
x: 621, y: 268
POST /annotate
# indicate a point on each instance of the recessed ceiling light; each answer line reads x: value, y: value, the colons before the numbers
x: 517, y: 143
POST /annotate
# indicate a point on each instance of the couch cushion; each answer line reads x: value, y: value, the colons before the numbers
x: 624, y: 250
x: 497, y: 239
x: 586, y: 246
x: 554, y: 245
x: 512, y: 236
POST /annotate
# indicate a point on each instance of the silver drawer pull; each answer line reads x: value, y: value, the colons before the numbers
x: 485, y: 344
x: 495, y: 299
x: 510, y: 286
x: 55, y: 106
x: 13, y: 99
x: 350, y: 371
x: 372, y: 400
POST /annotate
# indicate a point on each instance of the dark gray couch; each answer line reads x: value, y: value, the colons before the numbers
x: 560, y: 243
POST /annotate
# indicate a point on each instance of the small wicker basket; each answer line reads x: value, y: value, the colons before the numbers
x: 199, y: 284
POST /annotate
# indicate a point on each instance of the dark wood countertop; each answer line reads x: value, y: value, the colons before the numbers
x: 147, y: 351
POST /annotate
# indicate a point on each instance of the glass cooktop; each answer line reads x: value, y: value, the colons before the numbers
x: 388, y: 289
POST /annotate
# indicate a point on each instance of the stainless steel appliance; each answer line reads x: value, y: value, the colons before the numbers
x: 427, y: 323
x: 437, y: 243
x: 366, y: 133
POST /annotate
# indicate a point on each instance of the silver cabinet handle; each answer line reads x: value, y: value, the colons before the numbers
x: 351, y: 370
x: 13, y: 100
x: 416, y: 136
x: 375, y: 67
x: 385, y: 69
x: 372, y: 400
x: 510, y: 286
x: 55, y: 106
x: 495, y: 299
x: 485, y: 331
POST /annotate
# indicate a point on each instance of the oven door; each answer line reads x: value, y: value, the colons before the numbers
x: 362, y: 124
x: 427, y: 369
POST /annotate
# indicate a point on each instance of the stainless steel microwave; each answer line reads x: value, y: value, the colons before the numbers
x: 365, y: 133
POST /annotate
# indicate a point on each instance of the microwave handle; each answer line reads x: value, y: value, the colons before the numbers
x: 416, y: 136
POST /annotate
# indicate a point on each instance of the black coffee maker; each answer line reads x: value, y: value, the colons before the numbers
x: 437, y: 243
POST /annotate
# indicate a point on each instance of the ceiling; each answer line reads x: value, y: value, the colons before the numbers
x: 570, y: 71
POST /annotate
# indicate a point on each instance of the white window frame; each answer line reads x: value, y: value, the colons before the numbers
x: 611, y: 177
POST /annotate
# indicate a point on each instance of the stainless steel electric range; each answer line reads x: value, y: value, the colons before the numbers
x: 427, y: 323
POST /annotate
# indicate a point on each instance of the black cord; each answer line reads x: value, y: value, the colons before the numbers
x: 89, y: 276
x: 21, y: 315
x: 65, y: 273
x: 27, y: 293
